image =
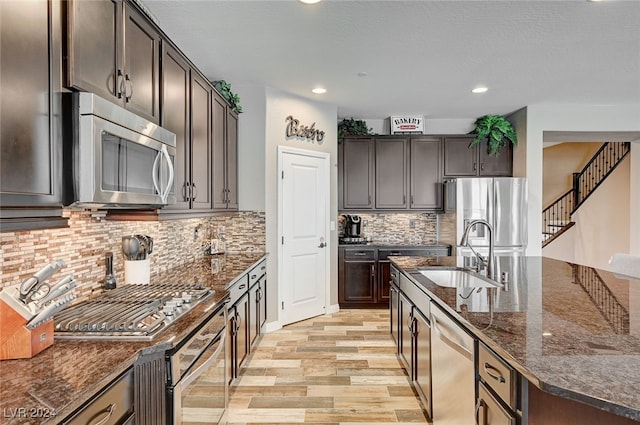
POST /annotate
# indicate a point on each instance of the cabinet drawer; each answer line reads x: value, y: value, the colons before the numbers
x: 489, y: 411
x: 394, y: 275
x: 385, y: 253
x: 419, y: 299
x: 257, y: 272
x: 114, y: 403
x: 359, y: 254
x: 498, y: 375
x: 238, y: 289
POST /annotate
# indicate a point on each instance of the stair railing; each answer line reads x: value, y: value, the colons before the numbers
x: 597, y: 169
x: 605, y: 301
x: 556, y: 218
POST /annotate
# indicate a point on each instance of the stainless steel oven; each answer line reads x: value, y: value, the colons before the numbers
x: 114, y: 158
x: 196, y: 375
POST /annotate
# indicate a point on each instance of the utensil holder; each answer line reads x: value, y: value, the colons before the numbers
x: 16, y: 340
x: 137, y: 271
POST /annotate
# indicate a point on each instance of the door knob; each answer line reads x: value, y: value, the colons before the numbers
x: 322, y: 245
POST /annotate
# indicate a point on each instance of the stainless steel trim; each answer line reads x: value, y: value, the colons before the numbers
x: 91, y: 104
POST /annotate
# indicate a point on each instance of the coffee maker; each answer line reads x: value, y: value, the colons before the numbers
x: 352, y: 229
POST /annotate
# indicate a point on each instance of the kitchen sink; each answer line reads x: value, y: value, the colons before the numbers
x: 458, y: 278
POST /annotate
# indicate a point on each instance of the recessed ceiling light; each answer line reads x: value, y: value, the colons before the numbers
x: 319, y: 90
x: 310, y: 1
x: 362, y: 74
x: 479, y: 90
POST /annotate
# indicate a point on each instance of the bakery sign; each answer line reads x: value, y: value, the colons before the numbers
x: 407, y: 124
x: 308, y: 132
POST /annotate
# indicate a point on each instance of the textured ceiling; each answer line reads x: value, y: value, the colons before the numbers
x: 421, y: 57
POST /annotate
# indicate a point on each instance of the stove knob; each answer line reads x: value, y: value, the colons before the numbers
x: 168, y: 310
x: 186, y: 297
x: 176, y: 300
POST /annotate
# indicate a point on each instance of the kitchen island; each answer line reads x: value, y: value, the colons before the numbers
x: 570, y: 331
x: 55, y: 383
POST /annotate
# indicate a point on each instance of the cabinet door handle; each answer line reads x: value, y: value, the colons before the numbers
x: 108, y: 410
x: 129, y: 93
x: 475, y: 166
x: 482, y: 166
x: 194, y: 192
x: 242, y: 286
x: 185, y: 186
x: 120, y: 87
x: 497, y: 375
x: 480, y: 405
x: 232, y: 325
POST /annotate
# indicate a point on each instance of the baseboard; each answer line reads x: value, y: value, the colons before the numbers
x: 332, y: 309
x: 271, y: 326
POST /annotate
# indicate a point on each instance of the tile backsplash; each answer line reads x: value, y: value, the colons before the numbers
x: 90, y: 236
x: 406, y: 228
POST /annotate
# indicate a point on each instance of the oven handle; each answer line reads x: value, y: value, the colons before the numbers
x: 188, y: 379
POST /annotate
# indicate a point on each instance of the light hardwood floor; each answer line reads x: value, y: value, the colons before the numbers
x: 333, y: 369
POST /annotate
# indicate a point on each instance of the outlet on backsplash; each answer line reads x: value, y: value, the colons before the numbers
x: 412, y: 224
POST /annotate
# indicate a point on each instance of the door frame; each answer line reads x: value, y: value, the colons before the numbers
x: 326, y: 157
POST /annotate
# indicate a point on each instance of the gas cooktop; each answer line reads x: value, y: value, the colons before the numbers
x: 129, y: 312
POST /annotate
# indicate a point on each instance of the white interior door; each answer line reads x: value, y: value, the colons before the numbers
x: 303, y: 214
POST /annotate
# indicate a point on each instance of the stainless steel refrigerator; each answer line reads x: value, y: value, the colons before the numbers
x: 502, y: 201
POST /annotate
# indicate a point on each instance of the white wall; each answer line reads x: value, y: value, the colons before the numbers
x: 251, y: 148
x: 258, y: 138
x: 602, y: 224
x: 568, y: 117
x: 634, y: 202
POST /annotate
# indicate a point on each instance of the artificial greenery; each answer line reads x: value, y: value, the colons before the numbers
x: 351, y: 127
x: 497, y: 130
x: 224, y: 89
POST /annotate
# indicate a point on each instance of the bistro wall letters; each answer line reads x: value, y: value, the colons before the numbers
x: 294, y: 129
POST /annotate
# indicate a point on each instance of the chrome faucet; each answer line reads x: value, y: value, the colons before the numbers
x: 465, y: 242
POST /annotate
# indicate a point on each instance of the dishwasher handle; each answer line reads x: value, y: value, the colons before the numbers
x: 448, y: 339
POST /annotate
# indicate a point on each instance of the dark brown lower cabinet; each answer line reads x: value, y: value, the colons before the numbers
x: 358, y: 267
x: 364, y: 272
x: 239, y: 332
x: 405, y: 321
x: 421, y: 331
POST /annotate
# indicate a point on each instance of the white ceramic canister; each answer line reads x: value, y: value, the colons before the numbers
x: 137, y: 271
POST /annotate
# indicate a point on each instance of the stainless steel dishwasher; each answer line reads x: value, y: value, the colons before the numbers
x: 453, y: 384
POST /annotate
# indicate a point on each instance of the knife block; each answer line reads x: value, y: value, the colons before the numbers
x: 16, y: 340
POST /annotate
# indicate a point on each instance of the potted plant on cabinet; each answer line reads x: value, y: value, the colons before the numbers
x: 496, y: 130
x: 352, y: 127
x: 224, y: 89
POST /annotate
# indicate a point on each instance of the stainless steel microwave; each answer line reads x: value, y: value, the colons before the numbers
x: 114, y: 158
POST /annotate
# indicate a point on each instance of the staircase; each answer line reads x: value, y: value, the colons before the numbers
x: 556, y: 218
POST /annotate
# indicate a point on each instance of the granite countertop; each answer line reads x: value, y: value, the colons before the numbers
x: 52, y: 384
x: 547, y: 326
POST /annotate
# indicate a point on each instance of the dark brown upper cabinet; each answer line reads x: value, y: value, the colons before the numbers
x: 113, y: 50
x: 225, y: 155
x: 390, y: 173
x: 425, y: 179
x: 392, y: 154
x: 462, y: 161
x: 186, y: 111
x: 358, y: 162
x: 30, y: 107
